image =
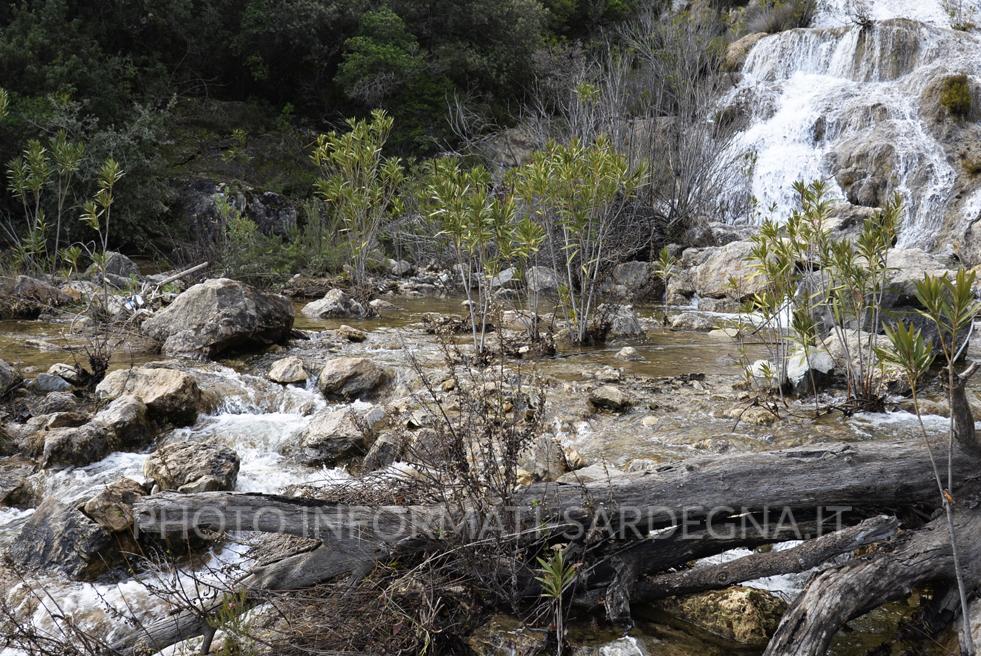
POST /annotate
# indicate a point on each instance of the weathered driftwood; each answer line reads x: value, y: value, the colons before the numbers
x: 805, y: 556
x: 698, y: 494
x: 862, y: 584
x: 961, y: 416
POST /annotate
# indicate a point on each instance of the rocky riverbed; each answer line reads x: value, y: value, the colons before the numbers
x: 255, y: 393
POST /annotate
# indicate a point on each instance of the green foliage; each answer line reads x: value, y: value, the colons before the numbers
x: 950, y: 305
x: 485, y: 232
x: 577, y: 192
x: 955, y: 95
x: 556, y: 577
x: 805, y: 274
x: 359, y: 184
x: 664, y: 268
x: 380, y: 60
x: 908, y: 351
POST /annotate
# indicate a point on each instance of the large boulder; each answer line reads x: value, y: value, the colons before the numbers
x: 118, y: 265
x: 16, y: 487
x: 724, y: 272
x: 631, y: 279
x: 219, y: 316
x: 38, y: 291
x: 127, y: 420
x: 63, y: 538
x: 738, y: 51
x: 620, y: 320
x: 542, y: 280
x: 192, y: 467
x: 112, y: 508
x: 692, y: 321
x: 336, y: 304
x: 9, y: 378
x: 170, y: 395
x: 337, y: 435
x: 611, y: 398
x: 75, y: 446
x: 349, y: 379
x: 288, y: 371
x: 907, y: 267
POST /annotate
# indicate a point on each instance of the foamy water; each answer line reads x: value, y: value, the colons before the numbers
x: 812, y: 90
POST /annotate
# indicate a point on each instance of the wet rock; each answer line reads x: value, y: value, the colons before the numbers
x: 352, y: 334
x: 117, y: 264
x: 68, y: 419
x: 631, y: 279
x: 621, y: 320
x: 385, y: 450
x: 61, y: 537
x: 609, y: 398
x: 337, y: 435
x: 546, y: 459
x: 219, y: 316
x: 70, y: 373
x: 692, y: 321
x: 542, y: 280
x: 630, y: 354
x: 192, y: 467
x: 15, y: 484
x: 75, y: 447
x: 55, y: 402
x: 723, y: 272
x: 753, y: 415
x: 349, y: 379
x: 170, y: 395
x: 381, y: 305
x: 288, y: 371
x: 507, y: 278
x: 39, y: 292
x: 112, y: 508
x: 335, y: 304
x: 45, y: 383
x: 503, y: 635
x: 811, y: 373
x: 127, y: 420
x: 9, y: 378
x: 763, y: 374
x: 739, y: 49
x: 399, y: 268
x: 744, y: 615
x: 908, y: 265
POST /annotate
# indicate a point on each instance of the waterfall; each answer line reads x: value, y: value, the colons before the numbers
x: 836, y: 100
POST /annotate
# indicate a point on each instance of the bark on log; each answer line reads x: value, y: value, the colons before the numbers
x: 960, y: 410
x: 838, y: 595
x: 867, y: 475
x: 803, y: 557
x: 690, y: 494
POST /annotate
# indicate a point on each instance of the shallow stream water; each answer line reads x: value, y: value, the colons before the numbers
x: 255, y: 417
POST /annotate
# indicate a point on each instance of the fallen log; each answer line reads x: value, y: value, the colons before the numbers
x: 686, y: 499
x: 800, y: 558
x: 838, y: 595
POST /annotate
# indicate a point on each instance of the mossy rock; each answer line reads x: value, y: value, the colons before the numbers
x: 955, y: 95
x: 746, y: 616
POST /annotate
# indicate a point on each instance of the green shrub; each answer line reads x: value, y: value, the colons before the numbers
x: 955, y: 95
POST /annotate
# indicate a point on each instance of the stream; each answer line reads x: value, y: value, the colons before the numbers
x: 255, y: 417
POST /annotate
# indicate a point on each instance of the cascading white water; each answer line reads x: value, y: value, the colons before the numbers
x: 838, y: 87
x: 254, y: 418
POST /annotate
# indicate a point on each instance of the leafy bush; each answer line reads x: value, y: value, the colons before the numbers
x: 955, y: 95
x: 775, y: 16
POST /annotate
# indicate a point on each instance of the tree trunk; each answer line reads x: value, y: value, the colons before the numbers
x: 838, y: 595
